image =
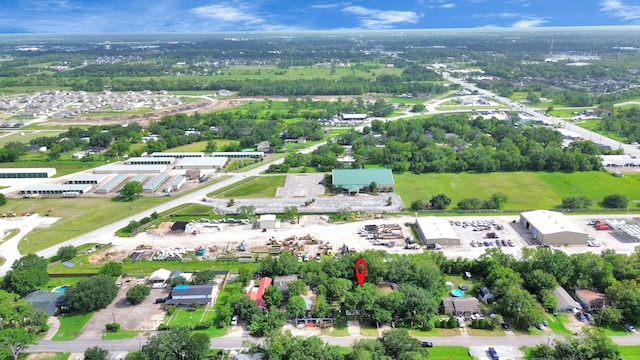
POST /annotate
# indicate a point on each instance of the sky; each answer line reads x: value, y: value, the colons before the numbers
x: 198, y: 16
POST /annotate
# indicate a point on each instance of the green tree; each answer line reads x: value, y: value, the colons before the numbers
x: 296, y: 307
x: 398, y: 344
x: 211, y: 146
x: 3, y: 199
x: 297, y: 287
x: 244, y: 276
x: 203, y: 277
x: 575, y: 202
x: 272, y: 296
x: 179, y: 280
x: 131, y: 190
x: 615, y: 201
x: 175, y: 344
x: 95, y: 353
x: 138, y: 293
x: 91, y: 294
x: 417, y: 205
x: 66, y: 253
x: 27, y: 274
x: 320, y: 307
x: 291, y: 212
x: 246, y: 211
x: 591, y: 343
x: 440, y: 201
x: 111, y: 268
x: 497, y: 201
x: 18, y: 325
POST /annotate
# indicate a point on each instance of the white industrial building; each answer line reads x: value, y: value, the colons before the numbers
x: 552, y: 228
x: 178, y: 155
x: 268, y: 221
x: 86, y: 179
x: 201, y: 163
x: 112, y: 184
x: 149, y: 161
x: 436, y: 230
x: 56, y: 189
x: 129, y: 169
x: 239, y: 154
x: 26, y: 173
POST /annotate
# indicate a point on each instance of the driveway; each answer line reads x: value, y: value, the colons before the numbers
x: 143, y: 316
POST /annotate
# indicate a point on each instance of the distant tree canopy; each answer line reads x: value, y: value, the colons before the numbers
x: 91, y: 294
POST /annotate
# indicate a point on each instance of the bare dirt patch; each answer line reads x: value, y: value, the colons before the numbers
x: 38, y: 356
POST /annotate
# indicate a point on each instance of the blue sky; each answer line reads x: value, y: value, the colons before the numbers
x: 99, y: 16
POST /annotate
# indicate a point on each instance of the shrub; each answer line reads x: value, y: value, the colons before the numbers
x: 171, y: 309
x: 203, y: 325
x: 112, y: 327
x: 163, y: 327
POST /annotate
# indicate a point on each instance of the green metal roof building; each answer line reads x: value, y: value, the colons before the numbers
x: 355, y: 179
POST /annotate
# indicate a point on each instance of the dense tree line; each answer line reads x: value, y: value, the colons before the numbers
x: 624, y: 123
x: 453, y: 143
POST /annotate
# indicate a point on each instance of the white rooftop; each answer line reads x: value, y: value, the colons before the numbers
x: 202, y: 161
x: 549, y: 222
x: 435, y: 227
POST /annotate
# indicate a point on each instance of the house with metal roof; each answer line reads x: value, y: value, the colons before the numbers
x: 159, y: 277
x: 188, y: 295
x: 436, y: 230
x: 565, y: 302
x: 552, y: 228
x: 353, y: 180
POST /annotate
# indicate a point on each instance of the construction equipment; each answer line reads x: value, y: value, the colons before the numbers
x: 272, y: 241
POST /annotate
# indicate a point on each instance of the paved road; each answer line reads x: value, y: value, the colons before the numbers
x: 586, y: 134
x: 236, y: 342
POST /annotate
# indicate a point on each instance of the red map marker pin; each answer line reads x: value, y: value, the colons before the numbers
x: 360, y: 275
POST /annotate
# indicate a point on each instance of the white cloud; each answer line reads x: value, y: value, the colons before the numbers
x: 528, y: 23
x: 330, y: 6
x: 228, y: 14
x: 381, y: 19
x: 447, y: 6
x: 617, y: 8
x: 503, y: 15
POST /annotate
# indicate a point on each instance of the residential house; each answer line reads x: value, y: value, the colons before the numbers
x: 159, y: 278
x: 282, y: 282
x: 565, y: 302
x: 256, y: 293
x: 189, y: 295
x: 485, y: 294
x: 49, y: 302
x: 590, y: 300
x: 460, y: 306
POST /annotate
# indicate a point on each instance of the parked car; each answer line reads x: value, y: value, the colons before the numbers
x: 629, y: 328
x: 234, y: 320
x: 506, y: 326
x: 493, y: 353
x: 427, y: 344
x: 160, y: 300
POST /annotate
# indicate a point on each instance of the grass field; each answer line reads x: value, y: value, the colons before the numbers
x: 629, y: 352
x: 526, y: 190
x: 255, y: 186
x: 71, y: 325
x: 448, y: 352
x: 556, y: 324
x: 200, y: 146
x: 77, y: 216
x: 595, y: 125
x: 191, y: 317
x: 44, y: 356
x: 120, y: 334
x: 28, y: 136
x: 63, y: 167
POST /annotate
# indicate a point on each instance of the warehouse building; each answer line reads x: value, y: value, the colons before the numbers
x: 239, y: 154
x: 268, y: 221
x: 129, y: 169
x: 201, y: 163
x: 354, y: 180
x: 178, y: 155
x: 56, y: 189
x: 552, y: 228
x: 433, y: 230
x: 155, y: 182
x: 26, y: 173
x: 149, y: 161
x: 86, y: 179
x: 112, y: 184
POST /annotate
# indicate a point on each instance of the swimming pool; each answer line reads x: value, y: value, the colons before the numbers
x: 60, y: 289
x: 457, y: 293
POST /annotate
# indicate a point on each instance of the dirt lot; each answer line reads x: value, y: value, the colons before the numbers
x: 143, y: 316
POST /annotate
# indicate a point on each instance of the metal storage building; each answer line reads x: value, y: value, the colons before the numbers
x: 155, y: 183
x: 268, y: 221
x: 26, y: 173
x: 201, y: 163
x: 176, y: 183
x: 140, y: 178
x: 436, y: 230
x: 129, y: 169
x: 112, y: 184
x: 239, y: 154
x: 149, y: 161
x: 86, y: 179
x: 178, y: 155
x: 52, y: 189
x: 552, y: 228
x: 353, y: 180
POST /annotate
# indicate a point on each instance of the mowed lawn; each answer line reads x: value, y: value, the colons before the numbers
x: 77, y: 216
x: 526, y: 190
x: 255, y: 186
